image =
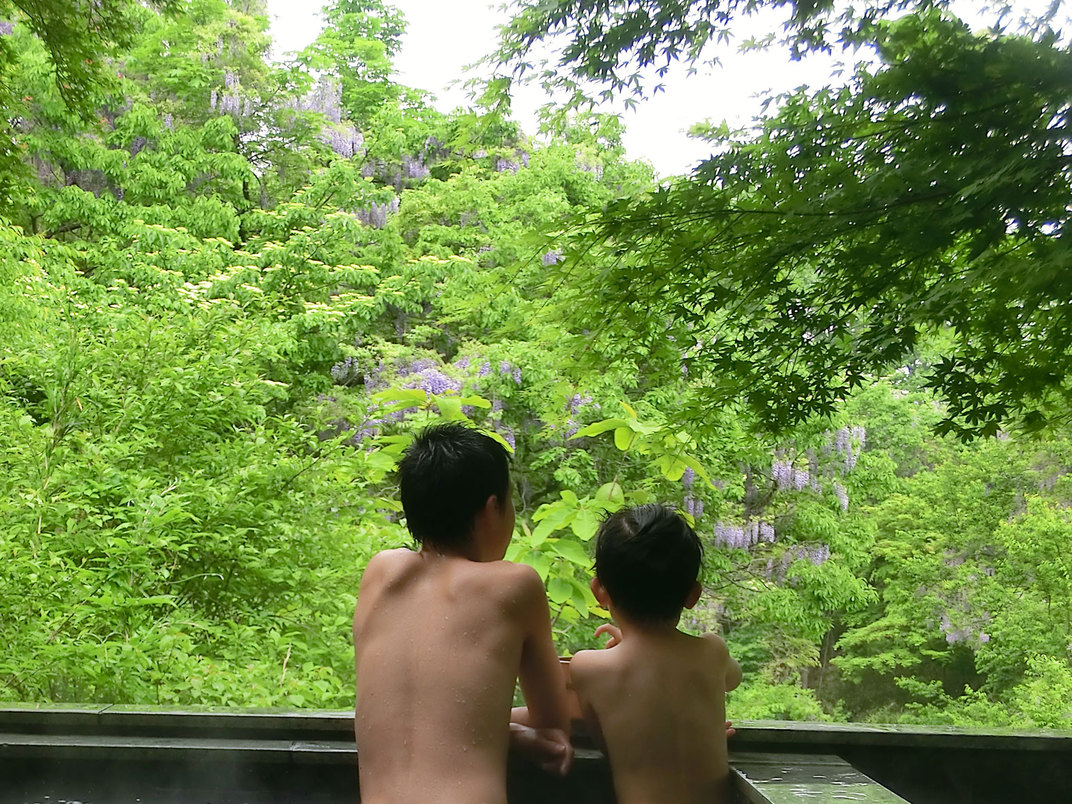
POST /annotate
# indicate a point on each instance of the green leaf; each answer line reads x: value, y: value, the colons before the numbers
x: 598, y: 428
x: 585, y: 524
x: 539, y: 561
x: 450, y: 408
x: 553, y: 521
x: 406, y: 397
x: 623, y: 438
x: 559, y: 590
x: 496, y: 437
x: 611, y: 492
x: 476, y: 401
x: 572, y: 551
x: 672, y: 467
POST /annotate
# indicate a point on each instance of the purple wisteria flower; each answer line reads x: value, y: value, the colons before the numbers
x: 782, y: 472
x: 344, y: 140
x: 414, y: 167
x: 849, y: 443
x: 375, y: 214
x: 426, y: 375
x: 694, y: 506
x: 801, y: 477
x: 551, y: 258
x: 842, y: 496
x: 324, y: 99
x: 687, y: 477
x: 376, y: 379
x: 346, y: 372
x: 6, y: 27
x: 506, y: 165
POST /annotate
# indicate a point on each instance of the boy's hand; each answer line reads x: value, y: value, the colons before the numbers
x: 614, y: 631
x: 548, y: 748
x: 730, y: 731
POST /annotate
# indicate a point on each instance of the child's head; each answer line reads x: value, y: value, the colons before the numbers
x: 446, y: 477
x: 648, y: 560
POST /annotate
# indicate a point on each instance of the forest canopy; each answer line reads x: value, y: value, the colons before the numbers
x: 925, y: 200
x: 232, y: 288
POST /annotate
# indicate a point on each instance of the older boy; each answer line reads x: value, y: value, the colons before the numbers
x: 442, y: 634
x: 657, y: 696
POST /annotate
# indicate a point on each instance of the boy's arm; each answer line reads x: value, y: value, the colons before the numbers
x: 540, y: 729
x: 580, y: 677
x: 733, y: 669
x: 541, y: 679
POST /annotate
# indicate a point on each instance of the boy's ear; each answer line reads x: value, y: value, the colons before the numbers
x: 600, y: 592
x: 486, y: 513
x: 694, y: 595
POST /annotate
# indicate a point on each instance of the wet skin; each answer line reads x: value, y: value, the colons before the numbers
x: 657, y: 698
x: 440, y: 640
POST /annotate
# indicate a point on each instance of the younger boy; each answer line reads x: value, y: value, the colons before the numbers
x: 657, y: 697
x: 442, y: 634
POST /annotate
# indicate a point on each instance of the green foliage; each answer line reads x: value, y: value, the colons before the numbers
x: 774, y: 702
x: 231, y: 294
x: 827, y: 246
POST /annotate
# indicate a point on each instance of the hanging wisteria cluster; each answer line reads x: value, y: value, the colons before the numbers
x: 776, y: 568
x: 842, y: 496
x: 375, y: 214
x: 507, y: 368
x: 324, y: 99
x: 6, y: 28
x: 693, y: 505
x: 787, y: 476
x: 849, y: 442
x: 846, y: 444
x: 742, y: 537
x: 230, y: 101
x: 551, y: 258
x: 413, y: 167
x: 410, y: 167
x: 427, y: 376
x: 576, y: 403
x: 344, y: 140
x: 347, y: 372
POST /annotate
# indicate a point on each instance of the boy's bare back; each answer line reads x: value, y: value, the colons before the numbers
x: 659, y: 699
x: 439, y: 641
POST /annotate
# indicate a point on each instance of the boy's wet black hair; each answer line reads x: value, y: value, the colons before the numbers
x: 648, y: 558
x: 446, y: 476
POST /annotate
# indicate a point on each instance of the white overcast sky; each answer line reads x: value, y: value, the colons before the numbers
x: 444, y: 36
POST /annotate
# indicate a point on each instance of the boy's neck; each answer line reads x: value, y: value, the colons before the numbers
x: 649, y: 628
x: 467, y: 552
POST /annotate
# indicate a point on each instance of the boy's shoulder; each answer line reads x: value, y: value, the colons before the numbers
x: 586, y: 664
x: 514, y: 580
x: 387, y: 563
